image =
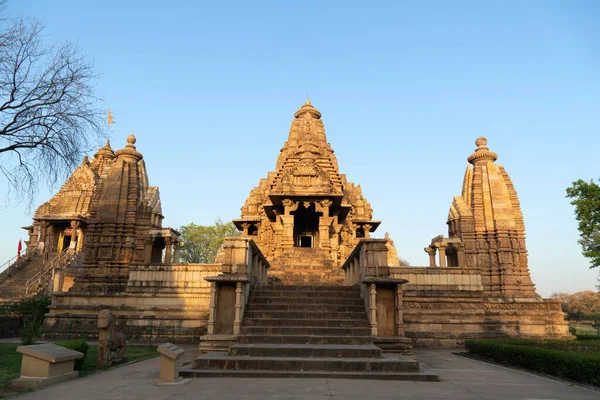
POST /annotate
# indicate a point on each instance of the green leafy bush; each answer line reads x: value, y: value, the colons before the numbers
x: 32, y: 311
x: 587, y: 337
x: 79, y: 345
x: 577, y: 366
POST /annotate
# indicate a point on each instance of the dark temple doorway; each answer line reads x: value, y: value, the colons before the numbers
x: 306, y: 226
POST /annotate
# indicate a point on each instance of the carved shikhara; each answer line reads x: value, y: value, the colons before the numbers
x: 307, y: 179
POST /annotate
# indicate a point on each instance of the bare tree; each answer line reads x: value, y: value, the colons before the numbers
x: 48, y: 113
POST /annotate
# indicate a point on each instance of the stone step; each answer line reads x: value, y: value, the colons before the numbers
x: 295, y: 322
x: 305, y: 350
x: 306, y: 300
x: 304, y: 288
x: 302, y: 294
x: 305, y: 330
x: 254, y: 306
x: 359, y: 315
x: 219, y: 361
x: 305, y: 339
x: 188, y: 372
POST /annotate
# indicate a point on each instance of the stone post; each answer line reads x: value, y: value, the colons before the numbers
x: 442, y: 247
x: 168, y: 248
x: 43, y: 234
x: 460, y: 251
x: 288, y: 223
x: 399, y: 313
x: 212, y: 308
x: 431, y: 251
x: 245, y: 227
x: 72, y: 244
x: 373, y: 308
x: 176, y: 248
x: 148, y: 251
x: 237, y: 322
x: 367, y: 230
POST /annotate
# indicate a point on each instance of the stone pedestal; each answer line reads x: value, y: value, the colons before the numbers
x: 170, y: 362
x: 45, y: 364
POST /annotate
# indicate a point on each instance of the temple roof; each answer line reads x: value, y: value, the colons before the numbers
x: 488, y: 194
x: 307, y: 168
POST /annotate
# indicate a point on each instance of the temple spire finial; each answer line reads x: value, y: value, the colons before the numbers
x: 482, y: 152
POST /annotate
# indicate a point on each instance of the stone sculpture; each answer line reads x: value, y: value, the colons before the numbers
x: 110, y: 341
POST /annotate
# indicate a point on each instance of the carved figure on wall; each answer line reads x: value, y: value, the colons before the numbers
x: 110, y: 341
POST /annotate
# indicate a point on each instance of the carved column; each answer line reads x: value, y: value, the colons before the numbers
x: 288, y: 223
x: 176, y: 248
x: 367, y: 230
x: 442, y: 247
x: 212, y: 308
x: 148, y: 251
x: 237, y: 322
x: 245, y: 226
x: 431, y: 251
x: 73, y: 243
x: 373, y: 308
x: 399, y: 313
x: 43, y: 234
x: 460, y: 251
x: 168, y: 248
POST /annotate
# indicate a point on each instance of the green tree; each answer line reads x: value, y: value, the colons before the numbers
x: 201, y: 243
x: 586, y: 199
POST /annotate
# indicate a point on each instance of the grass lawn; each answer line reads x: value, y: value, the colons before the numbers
x: 10, y: 363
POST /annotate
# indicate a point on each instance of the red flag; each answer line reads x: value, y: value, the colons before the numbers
x: 19, y: 250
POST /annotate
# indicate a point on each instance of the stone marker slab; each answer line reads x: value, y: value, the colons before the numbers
x: 45, y: 364
x: 170, y: 362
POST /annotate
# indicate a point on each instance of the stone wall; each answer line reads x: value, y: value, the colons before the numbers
x: 445, y: 306
x: 161, y: 301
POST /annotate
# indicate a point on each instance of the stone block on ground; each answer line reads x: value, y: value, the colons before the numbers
x: 45, y: 364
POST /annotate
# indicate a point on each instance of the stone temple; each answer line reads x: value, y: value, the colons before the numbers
x: 306, y: 287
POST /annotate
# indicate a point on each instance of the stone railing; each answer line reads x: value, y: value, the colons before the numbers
x: 439, y: 278
x: 172, y: 278
x: 367, y: 266
x: 46, y: 275
x: 243, y: 265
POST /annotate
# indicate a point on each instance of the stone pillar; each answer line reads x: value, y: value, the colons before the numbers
x: 245, y: 227
x: 288, y: 222
x: 367, y: 230
x: 176, y: 248
x: 324, y: 241
x: 73, y: 243
x: 43, y: 235
x: 442, y: 247
x: 148, y: 251
x: 399, y: 313
x: 373, y: 308
x: 431, y: 251
x: 460, y: 251
x: 212, y: 309
x: 168, y: 248
x: 237, y: 322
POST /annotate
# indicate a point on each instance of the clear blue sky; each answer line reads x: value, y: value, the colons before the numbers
x: 210, y: 88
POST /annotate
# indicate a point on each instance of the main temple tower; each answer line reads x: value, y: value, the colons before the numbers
x: 306, y: 216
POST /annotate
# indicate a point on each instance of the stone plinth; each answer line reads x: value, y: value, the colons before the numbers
x: 170, y: 362
x: 45, y: 364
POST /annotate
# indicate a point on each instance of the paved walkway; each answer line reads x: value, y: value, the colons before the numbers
x: 462, y: 378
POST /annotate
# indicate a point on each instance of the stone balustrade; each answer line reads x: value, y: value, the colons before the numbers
x: 382, y: 293
x: 242, y: 265
x: 171, y: 278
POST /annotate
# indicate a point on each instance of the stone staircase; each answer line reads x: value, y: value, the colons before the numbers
x: 14, y: 278
x: 306, y: 331
x: 304, y: 266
